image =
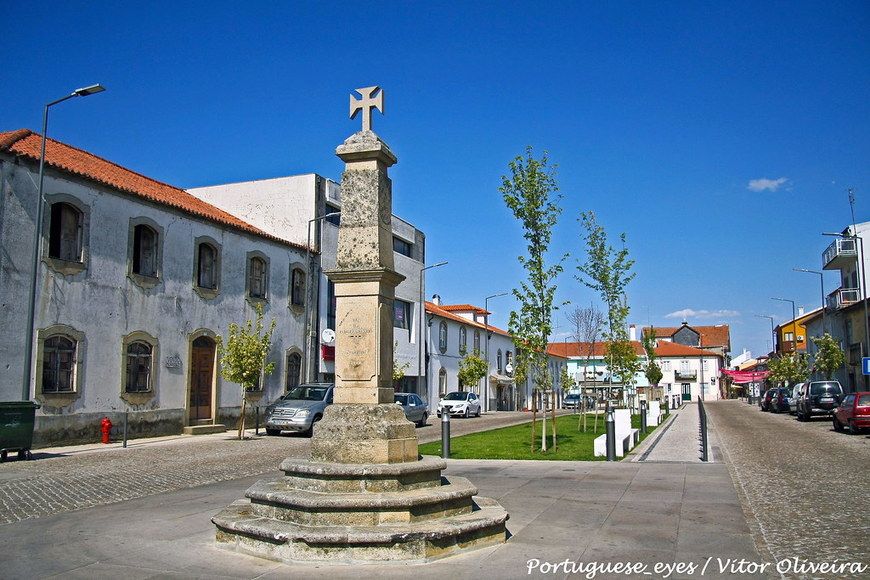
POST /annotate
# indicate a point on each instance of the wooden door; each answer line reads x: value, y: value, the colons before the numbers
x: 201, y: 379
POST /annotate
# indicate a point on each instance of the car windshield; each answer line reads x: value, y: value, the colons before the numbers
x: 456, y: 397
x: 303, y: 393
x: 825, y: 388
x: 573, y: 397
x: 401, y: 399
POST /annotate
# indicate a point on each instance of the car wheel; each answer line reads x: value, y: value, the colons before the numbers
x: 423, y: 420
x: 837, y: 426
x: 273, y: 431
x: 310, y: 432
x: 479, y: 409
x: 853, y: 429
x: 467, y: 414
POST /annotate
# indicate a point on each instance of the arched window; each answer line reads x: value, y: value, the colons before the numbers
x: 58, y: 367
x: 442, y: 337
x: 145, y: 251
x: 139, y: 367
x: 206, y: 270
x: 297, y: 287
x: 65, y: 233
x: 477, y: 340
x: 442, y: 382
x: 498, y: 362
x: 294, y: 370
x: 463, y: 340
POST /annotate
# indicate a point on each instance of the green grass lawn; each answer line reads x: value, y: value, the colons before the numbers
x: 515, y: 442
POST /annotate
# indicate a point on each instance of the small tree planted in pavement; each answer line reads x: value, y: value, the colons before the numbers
x: 243, y: 357
x: 830, y: 356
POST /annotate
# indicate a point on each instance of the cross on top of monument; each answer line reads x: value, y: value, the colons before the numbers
x: 369, y: 101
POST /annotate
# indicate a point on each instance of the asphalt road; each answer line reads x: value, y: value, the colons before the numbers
x: 803, y: 485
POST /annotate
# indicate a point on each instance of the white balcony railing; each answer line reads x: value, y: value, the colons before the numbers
x: 840, y: 253
x: 843, y: 297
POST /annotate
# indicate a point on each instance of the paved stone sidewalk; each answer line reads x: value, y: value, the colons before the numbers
x: 678, y: 439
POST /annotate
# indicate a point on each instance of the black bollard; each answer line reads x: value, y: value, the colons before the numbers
x: 643, y: 416
x: 445, y: 434
x: 610, y: 425
x: 126, y: 417
x: 257, y: 420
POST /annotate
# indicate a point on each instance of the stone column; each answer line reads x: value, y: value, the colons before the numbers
x: 364, y: 425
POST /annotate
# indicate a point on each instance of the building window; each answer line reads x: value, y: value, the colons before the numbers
x: 442, y: 382
x: 463, y: 340
x: 498, y: 361
x: 442, y: 337
x: 65, y: 232
x: 145, y: 250
x: 704, y: 364
x: 258, y: 277
x: 139, y: 360
x: 335, y: 218
x: 666, y: 366
x: 206, y: 266
x: 58, y: 366
x: 476, y: 341
x: 401, y: 314
x: 297, y: 287
x: 331, y: 305
x: 400, y: 246
x: 294, y: 370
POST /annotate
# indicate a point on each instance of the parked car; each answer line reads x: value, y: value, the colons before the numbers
x: 415, y: 409
x: 853, y: 412
x: 460, y: 404
x: 779, y: 402
x: 299, y: 409
x: 764, y: 401
x: 572, y: 401
x: 792, y: 400
x: 818, y: 398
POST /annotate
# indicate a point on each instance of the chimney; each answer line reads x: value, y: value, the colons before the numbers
x: 632, y: 332
x: 800, y: 311
x: 436, y: 300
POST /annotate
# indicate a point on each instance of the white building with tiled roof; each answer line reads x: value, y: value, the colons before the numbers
x: 135, y: 281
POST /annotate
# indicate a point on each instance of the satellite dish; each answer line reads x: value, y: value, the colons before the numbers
x: 328, y: 335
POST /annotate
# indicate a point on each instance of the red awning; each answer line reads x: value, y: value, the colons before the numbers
x: 742, y: 377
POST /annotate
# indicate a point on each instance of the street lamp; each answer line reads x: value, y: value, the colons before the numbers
x: 772, y: 338
x: 37, y: 237
x: 821, y: 286
x: 861, y: 267
x: 793, y: 324
x: 486, y: 347
x: 306, y: 360
x: 422, y: 335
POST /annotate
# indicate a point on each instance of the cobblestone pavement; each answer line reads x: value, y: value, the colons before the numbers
x: 803, y: 485
x: 63, y: 479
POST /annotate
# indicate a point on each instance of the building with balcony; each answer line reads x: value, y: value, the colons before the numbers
x: 793, y: 335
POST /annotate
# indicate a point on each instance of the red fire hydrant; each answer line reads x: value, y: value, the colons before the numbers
x: 106, y: 426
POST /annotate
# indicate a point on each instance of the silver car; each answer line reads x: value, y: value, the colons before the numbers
x: 416, y: 410
x: 299, y: 409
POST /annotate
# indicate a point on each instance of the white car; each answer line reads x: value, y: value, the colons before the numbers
x: 460, y: 405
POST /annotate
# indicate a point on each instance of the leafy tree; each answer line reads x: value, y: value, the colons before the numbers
x: 472, y: 368
x: 531, y: 193
x: 830, y: 356
x: 243, y: 357
x: 789, y: 368
x: 398, y: 371
x: 624, y: 362
x: 652, y: 370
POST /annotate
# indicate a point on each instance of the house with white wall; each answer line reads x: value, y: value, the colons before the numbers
x: 136, y: 280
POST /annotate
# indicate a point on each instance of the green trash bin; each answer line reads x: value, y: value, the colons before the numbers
x: 16, y: 428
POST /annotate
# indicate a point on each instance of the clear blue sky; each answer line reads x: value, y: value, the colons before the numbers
x: 721, y: 138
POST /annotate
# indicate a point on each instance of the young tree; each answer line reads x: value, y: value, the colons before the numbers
x: 652, y: 370
x: 830, y: 356
x: 586, y: 324
x: 531, y: 193
x: 472, y: 368
x: 243, y: 357
x: 606, y: 271
x: 789, y: 368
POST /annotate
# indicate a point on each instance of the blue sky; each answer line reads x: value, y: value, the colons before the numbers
x: 721, y: 138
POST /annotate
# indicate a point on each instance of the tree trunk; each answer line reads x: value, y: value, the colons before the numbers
x: 534, y: 419
x: 242, y: 418
x: 554, y: 420
x: 544, y: 423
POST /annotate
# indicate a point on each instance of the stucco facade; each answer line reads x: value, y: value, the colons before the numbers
x: 126, y: 319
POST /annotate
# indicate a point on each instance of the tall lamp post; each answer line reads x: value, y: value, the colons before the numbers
x: 37, y: 238
x: 772, y: 337
x: 422, y: 335
x: 861, y: 267
x: 821, y: 286
x: 793, y: 324
x: 486, y: 347
x: 314, y: 273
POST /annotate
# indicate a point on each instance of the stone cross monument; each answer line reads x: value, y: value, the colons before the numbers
x: 364, y: 495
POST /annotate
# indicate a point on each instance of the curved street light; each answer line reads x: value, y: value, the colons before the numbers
x: 422, y: 335
x: 37, y: 237
x: 486, y: 347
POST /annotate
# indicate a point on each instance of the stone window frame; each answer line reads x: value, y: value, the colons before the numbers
x: 63, y: 398
x: 498, y: 361
x: 297, y: 293
x: 250, y: 260
x: 139, y: 397
x: 476, y: 340
x: 463, y: 340
x: 295, y: 353
x: 205, y: 292
x: 442, y: 337
x: 145, y: 281
x: 442, y: 382
x: 62, y: 266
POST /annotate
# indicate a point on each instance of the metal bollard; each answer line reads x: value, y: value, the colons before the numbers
x: 643, y: 416
x: 445, y: 434
x: 257, y: 420
x: 610, y: 425
x: 126, y: 418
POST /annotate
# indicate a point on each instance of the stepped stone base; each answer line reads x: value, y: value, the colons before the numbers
x: 360, y: 513
x: 203, y: 429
